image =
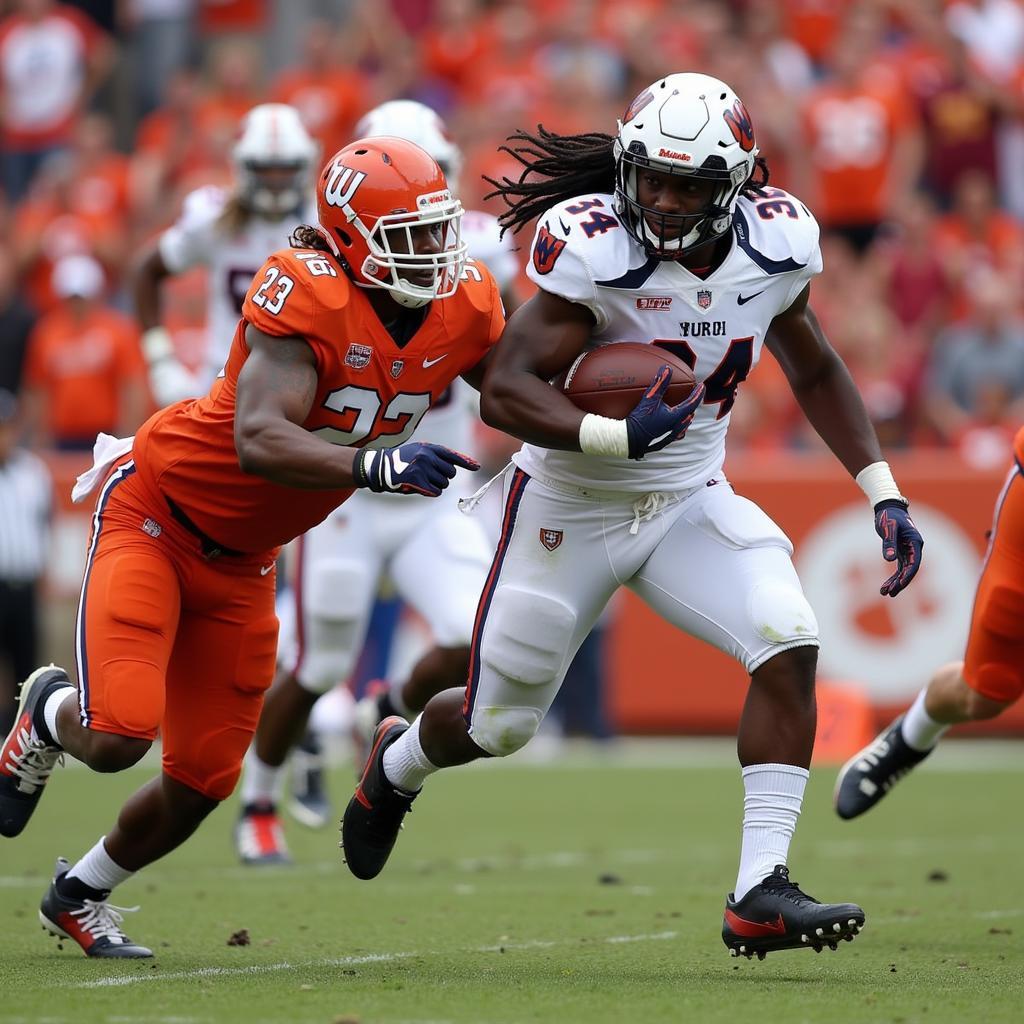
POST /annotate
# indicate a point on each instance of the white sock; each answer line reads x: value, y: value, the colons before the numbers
x: 773, y: 794
x: 98, y: 871
x: 52, y: 705
x: 261, y: 782
x: 405, y: 764
x: 920, y: 731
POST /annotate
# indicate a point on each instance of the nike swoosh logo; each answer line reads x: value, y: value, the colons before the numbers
x: 264, y: 569
x: 752, y: 929
x: 428, y: 363
x: 742, y: 300
x: 565, y: 229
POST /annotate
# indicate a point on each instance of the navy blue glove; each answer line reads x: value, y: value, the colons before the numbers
x: 652, y: 424
x: 412, y: 468
x: 901, y: 543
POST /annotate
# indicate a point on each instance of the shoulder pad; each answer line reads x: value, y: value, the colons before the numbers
x: 778, y: 233
x: 202, y: 207
x: 478, y: 285
x: 291, y: 290
x: 482, y: 234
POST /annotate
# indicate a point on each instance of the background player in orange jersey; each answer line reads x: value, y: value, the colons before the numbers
x: 343, y: 344
x: 983, y: 685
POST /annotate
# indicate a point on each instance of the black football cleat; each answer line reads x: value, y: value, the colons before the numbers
x: 26, y: 761
x: 374, y: 814
x: 93, y: 923
x: 872, y: 772
x: 776, y: 915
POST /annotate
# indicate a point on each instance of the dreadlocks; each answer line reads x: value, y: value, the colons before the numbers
x: 560, y: 167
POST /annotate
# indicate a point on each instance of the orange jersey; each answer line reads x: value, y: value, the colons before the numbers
x: 369, y: 391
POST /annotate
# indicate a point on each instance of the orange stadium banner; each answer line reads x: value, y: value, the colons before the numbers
x: 665, y: 682
x: 662, y: 681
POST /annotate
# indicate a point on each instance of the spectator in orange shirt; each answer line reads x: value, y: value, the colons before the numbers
x: 975, y: 239
x: 84, y: 371
x: 52, y: 57
x: 234, y: 90
x: 454, y: 42
x: 328, y: 96
x: 863, y: 141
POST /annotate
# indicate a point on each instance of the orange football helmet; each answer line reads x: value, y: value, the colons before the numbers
x: 374, y: 198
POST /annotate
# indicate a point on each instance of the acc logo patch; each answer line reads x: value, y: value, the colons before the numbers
x: 546, y: 250
x: 358, y: 356
x: 397, y: 366
x: 551, y: 538
x: 704, y: 298
x: 741, y: 126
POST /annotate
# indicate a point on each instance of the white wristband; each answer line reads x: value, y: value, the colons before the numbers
x: 602, y: 435
x: 877, y: 482
x: 156, y: 344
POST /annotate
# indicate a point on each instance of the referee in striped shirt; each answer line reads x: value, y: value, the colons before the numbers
x: 25, y: 506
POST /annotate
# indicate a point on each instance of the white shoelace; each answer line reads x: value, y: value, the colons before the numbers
x: 34, y: 764
x: 648, y: 507
x: 102, y: 920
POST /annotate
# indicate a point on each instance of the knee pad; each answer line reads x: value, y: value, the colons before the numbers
x: 1001, y: 611
x: 336, y: 598
x: 780, y: 613
x: 527, y: 636
x: 503, y: 731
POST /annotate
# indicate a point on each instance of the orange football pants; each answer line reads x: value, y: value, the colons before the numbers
x: 994, y: 662
x: 171, y: 641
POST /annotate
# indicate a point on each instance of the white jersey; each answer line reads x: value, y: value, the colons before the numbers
x: 717, y: 325
x: 198, y: 239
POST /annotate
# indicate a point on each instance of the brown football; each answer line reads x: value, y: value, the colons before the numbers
x: 611, y: 379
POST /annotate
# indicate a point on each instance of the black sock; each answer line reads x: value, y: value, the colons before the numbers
x: 76, y: 889
x: 38, y: 721
x: 386, y: 707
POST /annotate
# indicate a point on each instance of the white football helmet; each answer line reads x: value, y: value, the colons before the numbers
x: 418, y: 123
x: 694, y: 126
x: 274, y: 158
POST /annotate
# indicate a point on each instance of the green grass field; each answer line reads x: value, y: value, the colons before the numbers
x: 588, y: 889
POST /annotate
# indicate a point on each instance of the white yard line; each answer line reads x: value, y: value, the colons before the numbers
x: 343, y: 961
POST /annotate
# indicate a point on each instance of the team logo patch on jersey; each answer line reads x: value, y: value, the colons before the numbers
x: 397, y: 366
x: 704, y: 298
x: 551, y: 538
x: 546, y: 250
x: 358, y: 356
x: 152, y: 527
x: 654, y: 302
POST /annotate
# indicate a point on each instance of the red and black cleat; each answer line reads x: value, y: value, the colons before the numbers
x: 259, y: 836
x: 776, y: 915
x: 375, y: 812
x: 93, y: 923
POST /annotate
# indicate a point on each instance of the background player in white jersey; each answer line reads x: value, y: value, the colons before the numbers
x: 230, y: 233
x: 435, y: 557
x: 669, y: 233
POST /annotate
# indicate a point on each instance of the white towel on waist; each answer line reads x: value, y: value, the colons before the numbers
x: 105, y: 452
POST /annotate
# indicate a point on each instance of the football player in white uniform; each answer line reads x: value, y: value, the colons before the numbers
x: 435, y: 557
x: 666, y: 232
x: 230, y: 233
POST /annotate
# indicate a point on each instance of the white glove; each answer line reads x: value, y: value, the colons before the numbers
x: 168, y: 380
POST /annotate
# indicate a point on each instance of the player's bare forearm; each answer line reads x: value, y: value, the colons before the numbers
x: 823, y: 387
x: 149, y: 272
x: 276, y: 388
x: 540, y: 340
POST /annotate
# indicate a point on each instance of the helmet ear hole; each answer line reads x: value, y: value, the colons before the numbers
x: 344, y: 237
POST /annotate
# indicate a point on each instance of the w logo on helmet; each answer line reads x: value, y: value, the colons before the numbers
x: 341, y: 184
x: 741, y: 126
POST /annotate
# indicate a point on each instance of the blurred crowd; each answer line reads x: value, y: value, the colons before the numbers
x: 900, y: 123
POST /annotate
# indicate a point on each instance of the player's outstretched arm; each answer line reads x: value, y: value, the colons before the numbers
x: 831, y: 402
x: 540, y: 340
x: 276, y: 389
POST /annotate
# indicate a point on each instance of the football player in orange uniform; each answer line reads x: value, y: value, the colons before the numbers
x: 343, y: 344
x: 983, y: 685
